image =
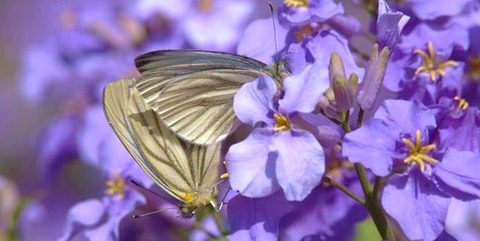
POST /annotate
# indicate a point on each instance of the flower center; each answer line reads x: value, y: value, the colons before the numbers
x: 281, y: 122
x: 462, y: 104
x: 116, y: 186
x: 296, y: 3
x: 431, y: 65
x: 418, y: 153
x: 305, y: 30
x: 205, y: 6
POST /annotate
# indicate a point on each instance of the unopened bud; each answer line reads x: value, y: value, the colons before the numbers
x: 336, y: 66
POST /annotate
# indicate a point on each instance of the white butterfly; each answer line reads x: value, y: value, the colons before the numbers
x: 188, y: 172
x: 192, y: 91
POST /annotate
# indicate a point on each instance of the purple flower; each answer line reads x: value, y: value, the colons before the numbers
x: 99, y: 219
x: 256, y: 218
x: 309, y: 11
x: 428, y: 10
x: 278, y: 153
x: 327, y: 214
x: 223, y: 20
x: 258, y: 40
x: 389, y: 25
x: 56, y: 145
x: 425, y: 178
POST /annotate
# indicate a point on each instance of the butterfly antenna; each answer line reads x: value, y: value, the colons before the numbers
x: 152, y: 192
x: 270, y: 4
x: 150, y: 213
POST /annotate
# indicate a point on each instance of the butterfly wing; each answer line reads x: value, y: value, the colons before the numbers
x: 192, y: 91
x: 157, y: 150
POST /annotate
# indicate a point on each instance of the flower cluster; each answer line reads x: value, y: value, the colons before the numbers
x: 372, y: 117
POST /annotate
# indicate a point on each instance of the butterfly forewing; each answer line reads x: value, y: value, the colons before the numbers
x: 165, y: 158
x: 192, y: 91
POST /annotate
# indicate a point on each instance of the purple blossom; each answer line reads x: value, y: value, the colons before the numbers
x: 257, y: 218
x: 426, y: 179
x: 327, y: 214
x: 389, y: 25
x: 278, y: 154
x: 304, y: 12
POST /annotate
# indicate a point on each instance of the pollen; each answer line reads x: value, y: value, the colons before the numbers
x: 116, y: 186
x: 281, y: 122
x: 418, y: 153
x: 431, y: 65
x: 462, y: 104
x: 205, y: 6
x: 296, y: 3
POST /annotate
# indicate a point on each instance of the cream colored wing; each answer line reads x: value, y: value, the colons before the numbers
x: 192, y: 91
x: 173, y: 165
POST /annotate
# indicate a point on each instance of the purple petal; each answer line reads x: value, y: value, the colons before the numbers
x: 85, y: 213
x: 428, y: 10
x: 462, y: 133
x: 417, y: 205
x: 373, y: 145
x: 441, y: 38
x: 389, y: 25
x: 409, y: 116
x: 256, y: 219
x: 317, y: 11
x: 258, y: 41
x: 458, y: 174
x: 327, y: 42
x: 251, y: 165
x: 253, y: 102
x: 303, y: 91
x: 57, y: 146
x: 93, y: 134
x: 300, y: 163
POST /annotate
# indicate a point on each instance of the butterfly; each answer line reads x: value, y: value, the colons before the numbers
x: 192, y: 91
x: 187, y: 172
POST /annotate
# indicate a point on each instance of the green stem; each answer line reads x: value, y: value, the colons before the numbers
x: 362, y: 175
x: 218, y: 221
x: 344, y: 189
x: 373, y: 204
x: 378, y: 215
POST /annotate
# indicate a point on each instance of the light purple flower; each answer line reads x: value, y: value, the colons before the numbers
x: 278, y: 154
x: 327, y: 214
x: 389, y: 25
x: 256, y: 218
x: 313, y: 11
x: 425, y: 178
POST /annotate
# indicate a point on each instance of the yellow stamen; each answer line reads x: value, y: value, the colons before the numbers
x: 205, y: 6
x: 462, y: 103
x: 296, y: 3
x: 432, y: 65
x: 224, y: 175
x: 303, y: 31
x: 281, y: 122
x: 418, y: 153
x: 116, y: 186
